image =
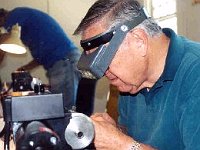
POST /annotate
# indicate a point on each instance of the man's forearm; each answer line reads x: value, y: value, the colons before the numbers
x: 31, y: 65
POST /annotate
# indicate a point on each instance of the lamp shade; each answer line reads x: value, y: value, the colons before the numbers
x: 12, y: 43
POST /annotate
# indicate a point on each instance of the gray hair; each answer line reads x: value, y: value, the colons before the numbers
x: 117, y: 12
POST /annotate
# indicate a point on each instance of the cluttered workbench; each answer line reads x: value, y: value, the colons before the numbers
x: 32, y: 118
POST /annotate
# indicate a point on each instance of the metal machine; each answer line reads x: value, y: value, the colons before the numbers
x: 38, y: 121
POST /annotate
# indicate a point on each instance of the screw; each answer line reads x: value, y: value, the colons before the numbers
x: 53, y: 140
x: 124, y: 28
x: 31, y: 143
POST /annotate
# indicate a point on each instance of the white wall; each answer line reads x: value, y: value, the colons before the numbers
x: 188, y: 19
x: 69, y: 14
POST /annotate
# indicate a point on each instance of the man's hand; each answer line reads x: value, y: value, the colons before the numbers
x: 107, y: 135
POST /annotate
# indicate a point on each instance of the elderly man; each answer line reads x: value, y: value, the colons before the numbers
x: 156, y: 70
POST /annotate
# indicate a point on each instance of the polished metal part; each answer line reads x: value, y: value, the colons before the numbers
x: 80, y: 131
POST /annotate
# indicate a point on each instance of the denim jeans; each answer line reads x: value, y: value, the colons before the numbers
x: 64, y: 78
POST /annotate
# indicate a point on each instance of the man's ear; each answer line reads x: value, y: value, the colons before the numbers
x: 141, y: 40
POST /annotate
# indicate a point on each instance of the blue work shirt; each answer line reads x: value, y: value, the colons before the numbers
x: 44, y: 37
x: 168, y: 116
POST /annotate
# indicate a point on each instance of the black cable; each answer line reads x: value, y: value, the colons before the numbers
x: 7, y: 136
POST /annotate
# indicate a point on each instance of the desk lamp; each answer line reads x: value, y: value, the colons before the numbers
x: 11, y: 42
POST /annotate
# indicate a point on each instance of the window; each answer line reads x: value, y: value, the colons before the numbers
x: 164, y: 12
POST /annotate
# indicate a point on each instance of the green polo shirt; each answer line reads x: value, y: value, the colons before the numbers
x: 168, y: 116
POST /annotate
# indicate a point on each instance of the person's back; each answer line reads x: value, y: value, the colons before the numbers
x: 41, y: 34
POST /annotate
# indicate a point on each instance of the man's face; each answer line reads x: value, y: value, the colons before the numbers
x: 127, y: 69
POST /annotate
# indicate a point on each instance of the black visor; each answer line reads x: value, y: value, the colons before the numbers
x: 97, y: 40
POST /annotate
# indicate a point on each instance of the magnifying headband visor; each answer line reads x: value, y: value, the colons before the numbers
x: 95, y: 64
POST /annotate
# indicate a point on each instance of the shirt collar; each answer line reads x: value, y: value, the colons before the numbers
x: 173, y: 59
x: 174, y: 56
